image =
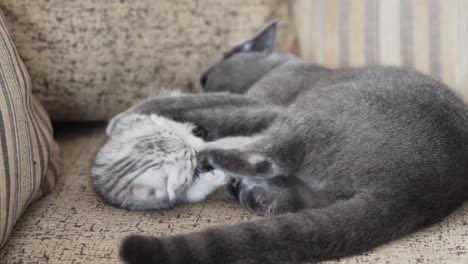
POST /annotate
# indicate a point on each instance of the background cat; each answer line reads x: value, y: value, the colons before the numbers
x: 344, y: 160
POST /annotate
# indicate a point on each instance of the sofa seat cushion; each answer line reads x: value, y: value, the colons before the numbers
x: 73, y: 225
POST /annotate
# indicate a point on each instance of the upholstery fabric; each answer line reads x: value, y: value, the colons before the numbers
x: 74, y: 225
x: 91, y: 59
x: 430, y: 36
x: 28, y: 154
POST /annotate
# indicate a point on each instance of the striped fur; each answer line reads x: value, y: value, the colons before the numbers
x: 149, y: 162
x: 28, y: 154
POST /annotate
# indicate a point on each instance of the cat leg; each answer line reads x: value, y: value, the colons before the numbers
x: 176, y: 104
x: 240, y: 162
x: 173, y: 104
x: 217, y: 115
x: 267, y: 196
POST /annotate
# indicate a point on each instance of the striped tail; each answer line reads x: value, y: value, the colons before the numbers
x: 342, y: 229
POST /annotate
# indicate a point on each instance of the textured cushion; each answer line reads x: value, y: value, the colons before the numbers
x: 74, y: 225
x: 428, y: 35
x: 90, y: 59
x: 28, y: 154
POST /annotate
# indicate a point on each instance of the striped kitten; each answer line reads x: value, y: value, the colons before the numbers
x: 149, y: 162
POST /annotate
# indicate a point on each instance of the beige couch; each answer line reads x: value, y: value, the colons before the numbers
x: 72, y: 224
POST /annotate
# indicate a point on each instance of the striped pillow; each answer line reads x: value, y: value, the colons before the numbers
x: 28, y: 153
x: 428, y: 35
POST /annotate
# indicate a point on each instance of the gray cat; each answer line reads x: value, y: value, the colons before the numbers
x: 344, y: 160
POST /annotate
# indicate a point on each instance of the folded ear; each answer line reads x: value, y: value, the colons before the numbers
x: 262, y: 41
x: 123, y: 122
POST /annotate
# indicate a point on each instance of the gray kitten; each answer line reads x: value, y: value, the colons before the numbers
x: 344, y: 160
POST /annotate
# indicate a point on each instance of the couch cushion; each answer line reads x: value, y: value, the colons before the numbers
x: 428, y: 35
x: 28, y: 154
x: 74, y: 225
x: 91, y: 59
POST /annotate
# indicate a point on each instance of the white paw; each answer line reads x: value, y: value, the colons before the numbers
x: 205, y: 184
x: 215, y: 177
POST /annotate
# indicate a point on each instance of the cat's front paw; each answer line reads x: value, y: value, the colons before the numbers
x: 215, y: 177
x: 204, y: 184
x: 232, y: 188
x: 213, y: 158
x: 200, y: 132
x: 205, y: 160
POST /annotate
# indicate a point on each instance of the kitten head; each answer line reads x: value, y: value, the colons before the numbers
x: 243, y: 64
x: 130, y: 125
x: 148, y: 162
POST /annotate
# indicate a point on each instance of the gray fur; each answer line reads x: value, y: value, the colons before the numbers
x: 343, y: 160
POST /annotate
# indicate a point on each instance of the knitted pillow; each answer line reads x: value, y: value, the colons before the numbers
x: 28, y: 154
x: 428, y: 35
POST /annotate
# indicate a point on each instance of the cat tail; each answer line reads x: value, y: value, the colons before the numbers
x: 345, y: 228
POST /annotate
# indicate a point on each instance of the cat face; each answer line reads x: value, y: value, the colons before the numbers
x: 241, y: 65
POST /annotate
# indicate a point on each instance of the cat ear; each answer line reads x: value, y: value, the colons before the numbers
x: 123, y: 122
x: 261, y: 42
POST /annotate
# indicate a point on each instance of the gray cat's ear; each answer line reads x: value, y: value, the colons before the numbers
x: 263, y: 41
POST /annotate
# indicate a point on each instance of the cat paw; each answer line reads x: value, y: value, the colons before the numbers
x: 232, y: 188
x: 210, y: 159
x: 215, y: 177
x: 200, y: 132
x: 205, y: 161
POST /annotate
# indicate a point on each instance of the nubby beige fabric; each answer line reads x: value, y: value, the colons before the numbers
x: 428, y: 35
x: 28, y: 153
x: 91, y: 59
x: 74, y: 225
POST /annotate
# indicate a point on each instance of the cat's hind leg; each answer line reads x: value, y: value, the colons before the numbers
x: 267, y: 196
x: 279, y: 195
x: 247, y: 160
x: 239, y: 163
